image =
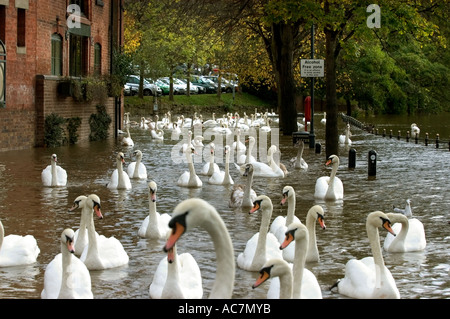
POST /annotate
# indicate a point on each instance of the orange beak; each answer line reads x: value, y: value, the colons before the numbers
x: 70, y: 246
x: 170, y: 256
x: 177, y: 231
x: 254, y: 208
x: 387, y: 226
x: 98, y: 211
x: 289, y: 238
x: 262, y: 278
x: 321, y: 222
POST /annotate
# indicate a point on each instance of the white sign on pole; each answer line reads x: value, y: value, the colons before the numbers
x: 312, y: 68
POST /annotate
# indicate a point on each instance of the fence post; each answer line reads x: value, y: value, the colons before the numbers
x: 352, y: 158
x: 372, y: 163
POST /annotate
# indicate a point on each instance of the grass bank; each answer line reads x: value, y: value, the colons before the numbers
x: 201, y: 103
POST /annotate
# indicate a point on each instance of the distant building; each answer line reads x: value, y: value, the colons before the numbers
x: 51, y: 48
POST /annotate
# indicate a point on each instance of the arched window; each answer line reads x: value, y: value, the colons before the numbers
x: 56, y: 54
x: 97, y: 59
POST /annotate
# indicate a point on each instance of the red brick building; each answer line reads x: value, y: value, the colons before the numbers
x: 49, y: 42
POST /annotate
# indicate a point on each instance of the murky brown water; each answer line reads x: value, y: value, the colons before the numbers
x: 404, y: 170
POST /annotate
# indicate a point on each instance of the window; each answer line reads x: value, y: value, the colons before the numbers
x: 97, y: 59
x: 83, y: 6
x: 56, y: 54
x: 78, y: 55
x: 2, y: 23
x: 21, y: 27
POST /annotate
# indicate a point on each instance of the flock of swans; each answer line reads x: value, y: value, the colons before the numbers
x: 280, y: 250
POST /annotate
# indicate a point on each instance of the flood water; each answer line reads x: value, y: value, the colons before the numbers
x: 403, y: 170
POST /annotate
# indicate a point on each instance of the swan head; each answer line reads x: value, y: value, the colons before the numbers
x: 54, y: 158
x: 78, y: 203
x: 212, y: 147
x: 397, y: 218
x: 137, y: 153
x: 333, y: 159
x: 275, y: 267
x: 288, y: 191
x: 227, y: 149
x: 295, y: 231
x: 248, y: 170
x: 152, y: 190
x: 263, y: 203
x: 67, y: 239
x: 318, y: 213
x: 120, y: 157
x: 187, y: 215
x: 94, y: 202
x: 379, y: 220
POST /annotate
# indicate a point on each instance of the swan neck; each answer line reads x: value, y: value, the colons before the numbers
x: 301, y: 247
x: 2, y: 234
x: 313, y: 252
x: 374, y: 239
x: 54, y: 174
x: 286, y: 286
x: 248, y: 187
x: 225, y: 272
x: 92, y: 245
x: 66, y: 269
x: 401, y: 237
x: 291, y: 210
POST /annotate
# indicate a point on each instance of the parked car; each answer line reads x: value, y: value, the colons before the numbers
x: 196, y: 89
x: 156, y: 88
x: 177, y: 89
x: 148, y: 88
x: 165, y: 88
x: 126, y: 90
x: 227, y: 86
x: 209, y: 86
x: 182, y: 83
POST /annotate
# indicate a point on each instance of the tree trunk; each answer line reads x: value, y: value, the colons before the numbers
x: 331, y: 130
x: 283, y: 51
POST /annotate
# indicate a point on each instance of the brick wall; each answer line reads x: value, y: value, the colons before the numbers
x: 48, y: 101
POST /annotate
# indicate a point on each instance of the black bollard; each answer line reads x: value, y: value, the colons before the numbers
x: 426, y: 139
x: 390, y: 134
x: 437, y: 140
x: 352, y: 158
x: 384, y: 132
x: 407, y: 136
x: 372, y: 163
x: 318, y: 148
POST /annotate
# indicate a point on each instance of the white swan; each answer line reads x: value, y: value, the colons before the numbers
x: 277, y: 268
x: 305, y: 284
x: 407, y: 211
x: 415, y: 130
x: 189, y: 178
x: 238, y: 145
x: 210, y: 167
x: 211, y: 123
x: 157, y: 134
x: 298, y: 161
x: 195, y: 212
x: 176, y: 131
x: 66, y: 276
x: 127, y: 140
x: 137, y: 169
x: 330, y: 187
x: 243, y: 195
x: 155, y: 225
x: 223, y: 177
x: 248, y: 157
x: 119, y: 178
x: 345, y: 138
x: 410, y: 234
x: 263, y: 245
x: 16, y: 250
x: 177, y: 277
x: 324, y: 120
x: 264, y: 170
x: 53, y: 174
x: 101, y: 252
x: 81, y: 237
x: 369, y: 278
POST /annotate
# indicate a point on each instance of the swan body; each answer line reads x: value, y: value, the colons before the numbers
x: 155, y: 225
x: 345, y: 138
x: 369, y: 278
x: 177, y: 277
x: 223, y: 177
x: 248, y: 157
x: 305, y: 284
x: 238, y: 145
x: 410, y: 234
x: 324, y: 120
x: 16, y: 250
x: 262, y: 245
x: 277, y: 268
x: 196, y: 212
x: 127, y: 140
x: 330, y: 187
x: 265, y: 170
x: 101, y: 252
x: 53, y: 174
x: 415, y: 130
x: 119, y: 178
x: 210, y: 167
x: 137, y: 169
x: 298, y: 161
x: 189, y: 178
x: 67, y: 277
x: 243, y: 195
x: 157, y: 134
